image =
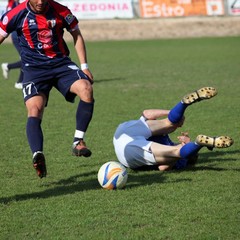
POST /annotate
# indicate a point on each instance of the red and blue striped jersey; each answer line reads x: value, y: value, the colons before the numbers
x: 40, y: 35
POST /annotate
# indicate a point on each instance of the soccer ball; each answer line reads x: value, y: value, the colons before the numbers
x: 112, y: 175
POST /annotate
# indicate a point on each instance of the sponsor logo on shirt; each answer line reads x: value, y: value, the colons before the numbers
x: 45, y: 39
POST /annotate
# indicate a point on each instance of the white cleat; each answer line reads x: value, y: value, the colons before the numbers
x: 18, y: 85
x: 5, y: 70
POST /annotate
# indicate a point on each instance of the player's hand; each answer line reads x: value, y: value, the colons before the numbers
x: 184, y: 138
x: 89, y: 74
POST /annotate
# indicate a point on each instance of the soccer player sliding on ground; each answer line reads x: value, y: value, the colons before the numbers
x: 145, y: 142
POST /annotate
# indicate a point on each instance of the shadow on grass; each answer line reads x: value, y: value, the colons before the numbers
x: 77, y: 183
x: 216, y: 156
x: 138, y: 178
x: 109, y: 80
x: 67, y: 186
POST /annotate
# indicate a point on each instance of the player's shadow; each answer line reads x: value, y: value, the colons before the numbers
x: 67, y: 186
x: 137, y: 178
x: 109, y: 80
x: 77, y: 183
x: 212, y: 160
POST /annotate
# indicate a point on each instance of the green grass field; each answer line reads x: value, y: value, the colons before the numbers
x: 198, y: 203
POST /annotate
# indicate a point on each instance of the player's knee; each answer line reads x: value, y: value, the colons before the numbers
x: 85, y: 91
x: 35, y: 111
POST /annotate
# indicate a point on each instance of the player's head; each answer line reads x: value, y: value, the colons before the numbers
x: 38, y: 6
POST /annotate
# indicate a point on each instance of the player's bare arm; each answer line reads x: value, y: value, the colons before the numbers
x: 81, y: 51
x: 1, y: 39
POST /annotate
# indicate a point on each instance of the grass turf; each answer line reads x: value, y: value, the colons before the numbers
x: 199, y: 203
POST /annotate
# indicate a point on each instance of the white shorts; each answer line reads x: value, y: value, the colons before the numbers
x: 131, y: 145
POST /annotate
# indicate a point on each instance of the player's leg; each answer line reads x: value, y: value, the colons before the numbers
x: 6, y: 67
x: 168, y: 155
x: 83, y: 89
x: 14, y: 65
x: 36, y: 90
x: 165, y: 154
x: 163, y: 126
x: 19, y: 84
x: 177, y: 112
x: 73, y: 82
x: 35, y: 107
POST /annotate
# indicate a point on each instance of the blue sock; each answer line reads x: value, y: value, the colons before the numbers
x: 83, y: 116
x: 177, y: 112
x: 34, y: 134
x: 189, y: 149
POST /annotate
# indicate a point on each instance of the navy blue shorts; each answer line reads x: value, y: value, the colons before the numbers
x: 42, y: 79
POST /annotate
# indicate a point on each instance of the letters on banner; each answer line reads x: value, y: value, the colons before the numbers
x: 100, y: 9
x: 180, y: 8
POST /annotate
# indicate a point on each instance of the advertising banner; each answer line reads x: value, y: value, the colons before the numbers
x: 233, y: 7
x: 3, y: 7
x: 180, y: 8
x: 100, y: 9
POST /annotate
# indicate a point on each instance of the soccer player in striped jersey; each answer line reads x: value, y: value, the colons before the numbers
x: 40, y: 26
x: 6, y: 67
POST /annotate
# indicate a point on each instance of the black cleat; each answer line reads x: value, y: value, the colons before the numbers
x: 80, y: 149
x: 39, y: 164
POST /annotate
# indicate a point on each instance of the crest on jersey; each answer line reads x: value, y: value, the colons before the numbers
x: 5, y: 20
x: 51, y: 24
x: 69, y: 18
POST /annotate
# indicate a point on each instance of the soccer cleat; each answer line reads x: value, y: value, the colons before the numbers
x: 18, y: 85
x: 80, y: 149
x: 214, y: 142
x: 5, y: 70
x: 39, y: 164
x: 199, y: 95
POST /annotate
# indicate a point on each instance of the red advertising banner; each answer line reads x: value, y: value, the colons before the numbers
x: 180, y: 8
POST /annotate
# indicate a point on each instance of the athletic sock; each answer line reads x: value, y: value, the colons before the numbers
x: 83, y: 117
x: 34, y: 134
x: 15, y: 65
x: 20, y: 78
x: 177, y: 112
x: 189, y: 149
